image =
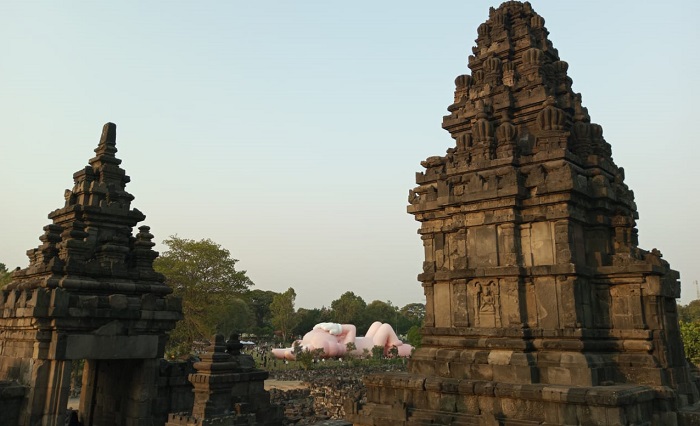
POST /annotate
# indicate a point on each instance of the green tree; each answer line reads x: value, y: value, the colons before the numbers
x: 393, y: 352
x: 306, y: 320
x: 235, y: 317
x: 690, y: 333
x: 414, y: 337
x: 5, y: 275
x: 284, y: 317
x: 259, y: 302
x: 380, y: 311
x: 414, y: 312
x: 689, y: 312
x: 204, y: 275
x: 411, y: 315
x: 348, y: 309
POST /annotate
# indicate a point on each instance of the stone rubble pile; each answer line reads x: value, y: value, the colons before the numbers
x: 327, y: 393
x: 297, y: 404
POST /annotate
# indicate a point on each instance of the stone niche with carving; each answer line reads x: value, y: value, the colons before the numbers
x: 540, y: 306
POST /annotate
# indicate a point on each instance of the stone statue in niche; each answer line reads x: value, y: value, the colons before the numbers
x: 486, y: 299
x: 486, y: 305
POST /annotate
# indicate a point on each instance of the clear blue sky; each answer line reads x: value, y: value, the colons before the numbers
x: 290, y: 131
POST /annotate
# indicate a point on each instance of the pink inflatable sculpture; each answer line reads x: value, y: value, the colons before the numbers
x: 333, y: 339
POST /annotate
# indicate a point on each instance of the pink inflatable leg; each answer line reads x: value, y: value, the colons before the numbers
x: 385, y: 336
x: 373, y: 329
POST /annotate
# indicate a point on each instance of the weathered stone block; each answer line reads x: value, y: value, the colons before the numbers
x: 468, y: 404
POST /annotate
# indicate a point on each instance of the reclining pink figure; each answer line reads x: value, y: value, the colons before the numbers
x: 333, y: 339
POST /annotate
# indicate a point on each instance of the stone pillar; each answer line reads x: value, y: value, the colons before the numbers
x: 48, y: 395
x: 563, y: 241
x: 88, y: 391
x: 508, y: 244
x: 142, y: 392
x: 428, y: 290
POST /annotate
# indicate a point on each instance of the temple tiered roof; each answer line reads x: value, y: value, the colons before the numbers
x: 90, y: 245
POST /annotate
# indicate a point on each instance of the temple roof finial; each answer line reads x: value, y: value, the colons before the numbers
x: 107, y: 147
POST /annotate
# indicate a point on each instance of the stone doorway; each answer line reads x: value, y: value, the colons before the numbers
x: 115, y: 392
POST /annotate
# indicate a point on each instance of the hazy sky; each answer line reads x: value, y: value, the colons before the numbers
x: 290, y: 132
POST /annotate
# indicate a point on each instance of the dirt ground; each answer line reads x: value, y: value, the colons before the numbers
x: 73, y: 403
x: 284, y: 384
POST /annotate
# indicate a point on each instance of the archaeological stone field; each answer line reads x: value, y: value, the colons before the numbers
x: 541, y: 309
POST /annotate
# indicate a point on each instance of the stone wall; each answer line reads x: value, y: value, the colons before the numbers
x: 11, y: 396
x: 297, y: 404
x: 174, y: 390
x: 319, y: 402
x: 331, y: 395
x: 325, y: 398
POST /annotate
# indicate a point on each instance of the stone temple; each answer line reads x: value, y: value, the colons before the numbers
x: 90, y: 293
x: 541, y: 307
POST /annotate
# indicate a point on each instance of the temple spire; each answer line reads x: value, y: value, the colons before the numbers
x: 107, y: 147
x: 91, y: 236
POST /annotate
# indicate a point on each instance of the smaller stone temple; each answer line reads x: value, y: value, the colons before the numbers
x: 228, y: 390
x: 541, y: 308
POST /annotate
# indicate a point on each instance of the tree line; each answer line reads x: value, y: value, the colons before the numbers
x: 218, y: 298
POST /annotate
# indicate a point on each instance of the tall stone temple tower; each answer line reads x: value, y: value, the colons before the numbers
x: 89, y: 293
x: 540, y: 306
